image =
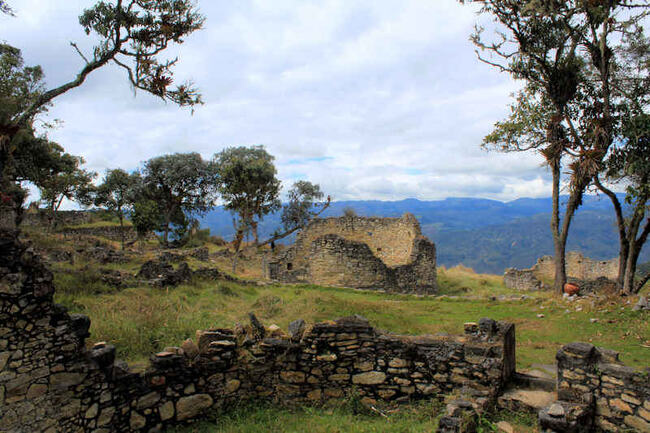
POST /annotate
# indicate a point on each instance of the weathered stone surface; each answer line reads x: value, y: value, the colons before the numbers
x: 372, y: 253
x: 190, y: 407
x: 505, y: 427
x: 232, y: 386
x: 106, y: 416
x: 137, y: 421
x: 148, y: 400
x: 166, y: 411
x: 556, y: 410
x: 637, y: 423
x: 293, y: 376
x: 369, y: 378
x: 92, y: 411
x: 65, y: 380
x: 190, y: 349
x: 296, y: 329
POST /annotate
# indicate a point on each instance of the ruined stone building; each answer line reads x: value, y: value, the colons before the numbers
x: 369, y: 253
x: 578, y: 267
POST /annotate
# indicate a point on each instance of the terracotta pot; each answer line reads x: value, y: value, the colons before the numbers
x: 571, y: 289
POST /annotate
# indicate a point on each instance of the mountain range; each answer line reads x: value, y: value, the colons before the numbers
x: 486, y: 235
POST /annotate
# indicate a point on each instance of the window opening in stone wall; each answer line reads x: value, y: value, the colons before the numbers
x: 289, y: 266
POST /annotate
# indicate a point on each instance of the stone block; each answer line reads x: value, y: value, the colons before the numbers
x: 369, y: 378
x: 191, y: 406
x: 166, y: 411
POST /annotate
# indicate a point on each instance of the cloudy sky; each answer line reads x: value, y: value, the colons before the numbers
x: 373, y: 99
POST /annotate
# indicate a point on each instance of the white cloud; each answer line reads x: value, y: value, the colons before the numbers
x: 373, y: 100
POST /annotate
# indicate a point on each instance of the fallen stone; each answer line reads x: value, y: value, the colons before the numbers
x: 556, y: 410
x: 296, y: 329
x: 505, y: 427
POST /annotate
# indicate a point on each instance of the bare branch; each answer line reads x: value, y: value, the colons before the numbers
x: 74, y: 45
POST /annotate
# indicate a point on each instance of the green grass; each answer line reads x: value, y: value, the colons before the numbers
x: 416, y: 418
x: 143, y: 320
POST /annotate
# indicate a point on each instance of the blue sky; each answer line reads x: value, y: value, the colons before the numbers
x: 371, y: 99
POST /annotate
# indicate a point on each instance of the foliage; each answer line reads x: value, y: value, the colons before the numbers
x: 20, y: 87
x: 181, y: 184
x: 570, y: 56
x: 66, y: 181
x: 299, y: 208
x: 248, y: 185
x: 146, y: 217
x: 132, y: 34
x: 349, y: 212
x: 117, y: 193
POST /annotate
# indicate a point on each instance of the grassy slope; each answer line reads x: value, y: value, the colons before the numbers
x: 143, y: 320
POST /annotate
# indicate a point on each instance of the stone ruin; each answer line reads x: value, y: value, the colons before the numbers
x: 579, y: 269
x: 366, y: 253
x: 51, y: 382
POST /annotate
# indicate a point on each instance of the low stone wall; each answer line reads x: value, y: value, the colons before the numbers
x: 594, y: 381
x: 521, y: 279
x: 112, y: 232
x: 578, y: 266
x: 41, y: 217
x: 49, y: 382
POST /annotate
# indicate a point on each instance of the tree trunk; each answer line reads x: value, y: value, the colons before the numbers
x: 239, y: 237
x: 630, y: 269
x: 560, y: 266
x: 122, y: 230
x: 255, y: 235
x: 558, y: 258
x: 624, y: 242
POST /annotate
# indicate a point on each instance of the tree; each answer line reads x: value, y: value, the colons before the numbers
x: 133, y: 35
x: 181, y: 183
x: 72, y: 183
x: 36, y: 160
x: 349, y: 212
x: 146, y: 217
x: 247, y: 184
x: 116, y: 194
x: 563, y: 52
x: 629, y: 163
x: 302, y: 206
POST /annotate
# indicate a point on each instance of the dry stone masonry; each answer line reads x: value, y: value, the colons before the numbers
x: 368, y: 253
x: 50, y: 382
x: 580, y: 269
x: 596, y: 391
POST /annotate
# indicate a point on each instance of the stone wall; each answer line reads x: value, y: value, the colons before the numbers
x: 112, y: 232
x: 49, y: 381
x: 41, y: 217
x: 594, y: 383
x: 521, y: 279
x: 579, y: 267
x: 370, y: 253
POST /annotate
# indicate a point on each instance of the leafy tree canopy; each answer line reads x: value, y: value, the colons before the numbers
x: 181, y: 183
x: 303, y: 197
x: 247, y: 181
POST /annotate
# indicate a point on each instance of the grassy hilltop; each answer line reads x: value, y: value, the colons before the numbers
x: 141, y: 319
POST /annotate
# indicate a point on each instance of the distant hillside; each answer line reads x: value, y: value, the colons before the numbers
x: 487, y: 235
